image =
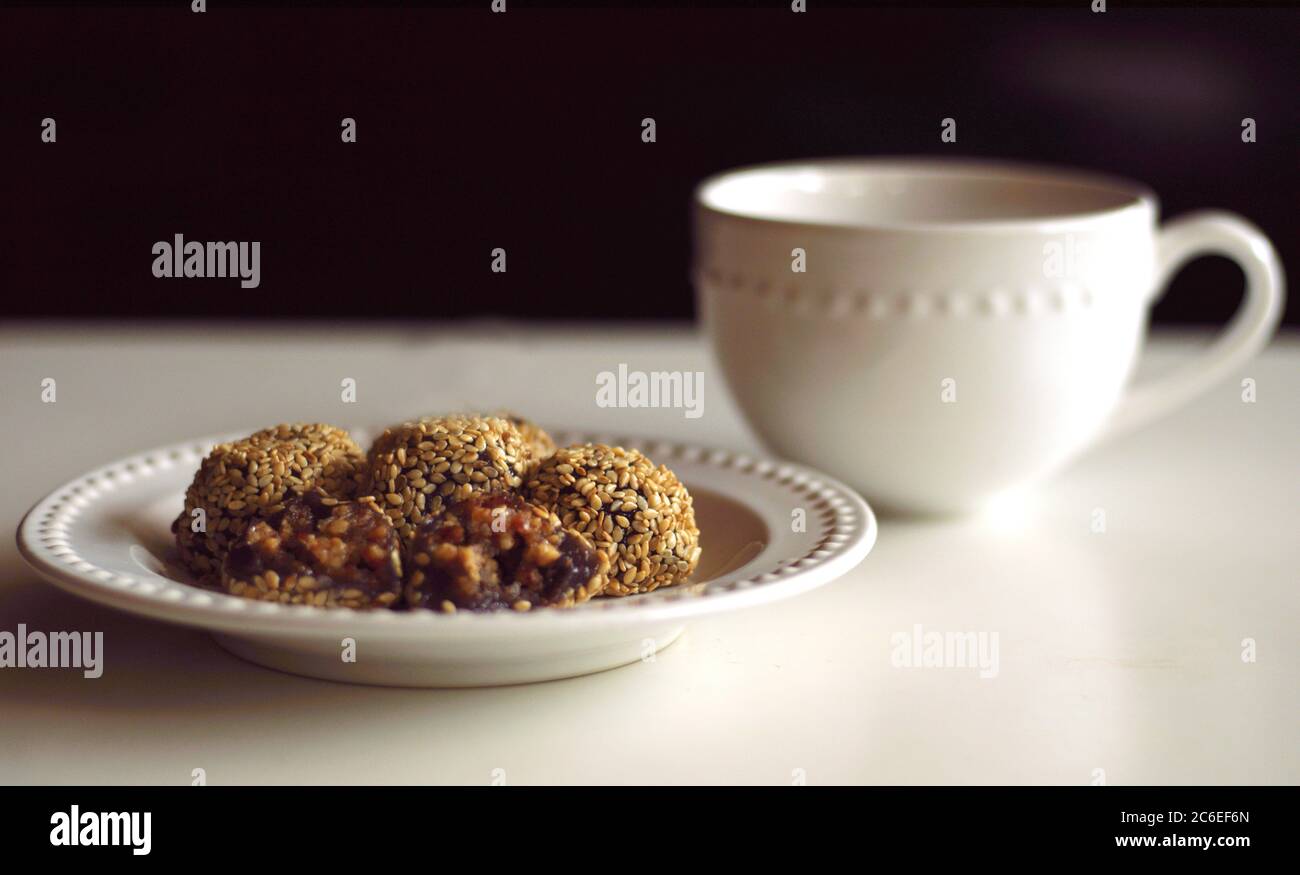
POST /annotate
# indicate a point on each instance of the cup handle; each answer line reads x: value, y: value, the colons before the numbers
x: 1179, y: 241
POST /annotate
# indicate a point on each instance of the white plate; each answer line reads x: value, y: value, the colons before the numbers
x: 106, y: 537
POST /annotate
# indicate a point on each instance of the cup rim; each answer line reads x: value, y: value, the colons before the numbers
x: 1135, y: 195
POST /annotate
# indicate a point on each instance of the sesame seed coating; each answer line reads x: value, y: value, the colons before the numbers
x: 540, y: 444
x: 243, y: 481
x: 639, y: 514
x: 418, y: 468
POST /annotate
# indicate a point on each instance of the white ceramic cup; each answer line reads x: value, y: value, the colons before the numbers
x: 938, y: 332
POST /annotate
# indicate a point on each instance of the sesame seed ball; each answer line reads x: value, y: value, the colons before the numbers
x: 639, y: 514
x: 250, y: 479
x: 418, y: 468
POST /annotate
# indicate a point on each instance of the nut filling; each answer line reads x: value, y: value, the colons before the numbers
x: 492, y: 552
x: 318, y: 551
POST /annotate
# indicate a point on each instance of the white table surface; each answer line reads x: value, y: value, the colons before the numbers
x: 1119, y: 651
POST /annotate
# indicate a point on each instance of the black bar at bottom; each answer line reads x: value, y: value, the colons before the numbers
x: 335, y: 824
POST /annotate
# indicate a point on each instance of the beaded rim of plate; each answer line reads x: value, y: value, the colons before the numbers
x: 44, y: 537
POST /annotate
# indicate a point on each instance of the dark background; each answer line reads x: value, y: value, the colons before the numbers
x: 523, y: 131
